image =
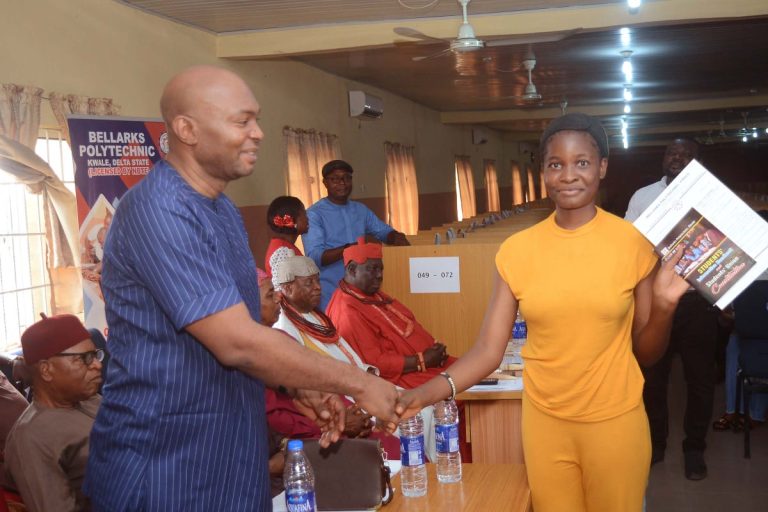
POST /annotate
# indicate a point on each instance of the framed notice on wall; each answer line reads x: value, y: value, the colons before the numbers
x: 435, y: 275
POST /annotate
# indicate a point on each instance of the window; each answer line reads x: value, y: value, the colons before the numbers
x: 465, y: 189
x: 402, y: 194
x: 306, y: 152
x: 491, y: 185
x: 25, y: 288
x: 517, y: 184
x: 531, y: 183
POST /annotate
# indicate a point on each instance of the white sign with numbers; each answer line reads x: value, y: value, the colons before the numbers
x: 435, y: 275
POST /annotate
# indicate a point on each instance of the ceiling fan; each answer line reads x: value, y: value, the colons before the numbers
x: 745, y: 134
x: 467, y: 41
x: 530, y: 93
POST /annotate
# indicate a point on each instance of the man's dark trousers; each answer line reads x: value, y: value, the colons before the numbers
x: 694, y: 337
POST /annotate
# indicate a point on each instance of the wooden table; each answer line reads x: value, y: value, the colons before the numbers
x: 494, y: 426
x: 483, y: 488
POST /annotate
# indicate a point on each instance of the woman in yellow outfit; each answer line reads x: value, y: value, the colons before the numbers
x: 596, y: 301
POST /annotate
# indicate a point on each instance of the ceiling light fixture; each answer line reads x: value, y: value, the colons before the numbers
x: 624, y: 130
x: 744, y: 138
x: 625, y: 35
x: 627, y: 108
x: 754, y: 133
x: 627, y: 93
x: 626, y: 66
x: 634, y: 4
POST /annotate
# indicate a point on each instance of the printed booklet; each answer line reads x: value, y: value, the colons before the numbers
x: 724, y: 241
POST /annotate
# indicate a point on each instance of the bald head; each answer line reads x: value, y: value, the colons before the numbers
x: 195, y: 86
x: 213, y: 133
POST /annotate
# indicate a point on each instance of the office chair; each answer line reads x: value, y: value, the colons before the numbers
x: 751, y: 314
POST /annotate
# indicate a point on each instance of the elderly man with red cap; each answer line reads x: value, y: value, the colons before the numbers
x: 382, y: 330
x: 47, y: 449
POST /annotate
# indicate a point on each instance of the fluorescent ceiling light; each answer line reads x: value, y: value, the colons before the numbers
x: 626, y: 68
x: 626, y: 36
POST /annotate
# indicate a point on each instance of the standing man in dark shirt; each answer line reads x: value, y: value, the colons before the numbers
x: 182, y: 425
x: 693, y: 336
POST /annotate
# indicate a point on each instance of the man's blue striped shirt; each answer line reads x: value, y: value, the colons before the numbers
x: 176, y: 429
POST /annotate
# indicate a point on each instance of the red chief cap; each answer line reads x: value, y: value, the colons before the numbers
x: 362, y: 252
x: 50, y: 336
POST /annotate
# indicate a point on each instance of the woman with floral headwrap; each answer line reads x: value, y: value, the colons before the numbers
x: 287, y: 218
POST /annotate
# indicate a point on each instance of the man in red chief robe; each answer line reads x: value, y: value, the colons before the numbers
x: 381, y: 329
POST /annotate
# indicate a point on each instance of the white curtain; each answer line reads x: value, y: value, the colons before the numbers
x: 19, y: 125
x: 306, y: 153
x: 20, y: 113
x: 542, y: 186
x: 65, y: 104
x: 491, y: 185
x: 402, y: 189
x: 531, y: 183
x: 466, y: 186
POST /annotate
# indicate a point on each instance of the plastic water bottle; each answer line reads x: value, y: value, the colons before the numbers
x: 299, y: 480
x: 413, y: 475
x: 447, y: 440
x: 519, y: 332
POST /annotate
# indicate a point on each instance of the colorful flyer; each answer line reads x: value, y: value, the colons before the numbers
x: 111, y: 155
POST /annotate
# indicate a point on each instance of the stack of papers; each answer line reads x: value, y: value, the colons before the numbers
x: 514, y: 384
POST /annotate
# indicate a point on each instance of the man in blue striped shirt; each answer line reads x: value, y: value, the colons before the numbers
x: 182, y: 424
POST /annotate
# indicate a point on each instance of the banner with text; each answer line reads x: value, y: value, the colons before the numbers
x: 111, y: 155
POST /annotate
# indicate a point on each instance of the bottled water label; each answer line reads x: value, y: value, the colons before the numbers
x: 520, y: 330
x: 412, y: 450
x: 301, y: 502
x: 447, y: 438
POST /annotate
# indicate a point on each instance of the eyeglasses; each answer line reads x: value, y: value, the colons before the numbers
x: 347, y: 178
x: 86, y: 357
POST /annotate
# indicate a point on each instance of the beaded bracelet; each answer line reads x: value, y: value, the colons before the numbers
x: 451, y: 383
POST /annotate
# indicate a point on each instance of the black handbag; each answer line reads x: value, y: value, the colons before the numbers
x: 351, y: 474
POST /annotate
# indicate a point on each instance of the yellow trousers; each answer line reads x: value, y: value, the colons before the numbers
x: 596, y: 467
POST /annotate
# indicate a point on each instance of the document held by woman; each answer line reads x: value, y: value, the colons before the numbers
x: 724, y: 241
